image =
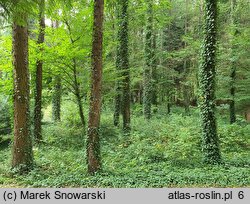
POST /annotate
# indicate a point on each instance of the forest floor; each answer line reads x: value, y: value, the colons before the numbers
x: 164, y: 152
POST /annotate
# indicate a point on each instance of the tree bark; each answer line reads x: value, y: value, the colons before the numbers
x: 185, y: 68
x: 80, y: 107
x: 22, y: 157
x: 233, y: 67
x: 147, y: 95
x: 124, y: 63
x: 56, y: 99
x: 118, y: 87
x: 57, y: 90
x: 117, y: 104
x: 210, y: 143
x: 78, y: 94
x: 39, y: 72
x: 93, y: 143
x: 154, y: 71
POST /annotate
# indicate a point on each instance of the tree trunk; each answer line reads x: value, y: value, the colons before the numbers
x: 185, y: 68
x: 76, y: 85
x: 93, y: 143
x: 39, y: 68
x: 57, y: 90
x: 117, y: 104
x: 125, y: 66
x: 122, y: 101
x: 210, y: 141
x: 22, y: 157
x: 147, y: 96
x: 78, y: 94
x: 233, y: 68
x: 56, y: 99
x: 79, y: 103
x: 118, y: 88
x: 154, y: 71
x: 186, y: 99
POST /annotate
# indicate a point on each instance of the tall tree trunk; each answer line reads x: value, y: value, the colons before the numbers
x: 39, y: 68
x: 154, y: 71
x: 118, y: 87
x: 210, y: 146
x: 93, y: 143
x: 147, y: 96
x: 57, y: 90
x: 185, y: 67
x: 22, y: 157
x: 233, y: 67
x: 124, y: 63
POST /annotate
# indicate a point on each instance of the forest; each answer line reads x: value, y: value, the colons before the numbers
x: 124, y: 93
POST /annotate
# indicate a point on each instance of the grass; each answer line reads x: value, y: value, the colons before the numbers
x: 164, y: 152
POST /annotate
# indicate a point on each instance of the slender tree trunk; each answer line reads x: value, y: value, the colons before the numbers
x: 168, y: 107
x: 93, y: 143
x: 22, y: 157
x: 39, y: 68
x: 125, y: 66
x: 185, y: 67
x: 233, y: 68
x: 56, y: 99
x: 186, y: 90
x: 80, y: 107
x: 147, y: 96
x: 211, y: 149
x: 118, y: 87
x: 186, y: 99
x: 76, y: 84
x: 57, y: 90
x: 154, y: 71
x: 117, y: 104
x: 78, y: 94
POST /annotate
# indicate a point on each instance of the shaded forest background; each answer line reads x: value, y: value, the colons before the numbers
x: 128, y: 98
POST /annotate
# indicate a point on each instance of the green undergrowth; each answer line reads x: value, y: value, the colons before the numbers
x: 164, y: 152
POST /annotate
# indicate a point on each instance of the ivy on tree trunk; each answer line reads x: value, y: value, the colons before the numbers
x: 210, y: 140
x: 39, y: 68
x: 122, y: 97
x: 124, y: 64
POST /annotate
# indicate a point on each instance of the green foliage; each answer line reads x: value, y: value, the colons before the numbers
x: 235, y: 138
x: 164, y: 152
x: 210, y: 141
x: 234, y: 36
x: 70, y: 115
x: 6, y: 84
x: 5, y: 117
x: 6, y: 79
